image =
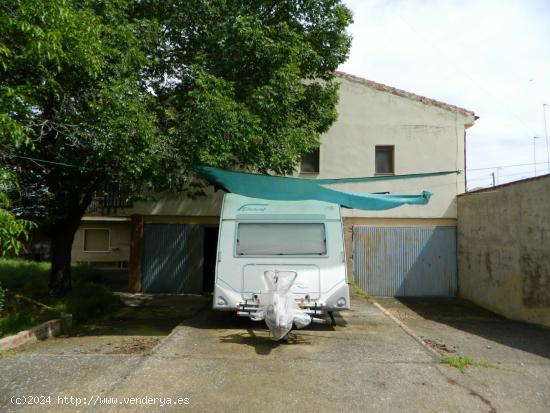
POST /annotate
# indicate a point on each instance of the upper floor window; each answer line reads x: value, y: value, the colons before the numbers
x: 310, y: 162
x: 384, y: 161
x: 97, y: 240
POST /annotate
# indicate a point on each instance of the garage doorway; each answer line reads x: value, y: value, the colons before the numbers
x: 210, y: 254
x: 166, y: 259
x: 405, y: 261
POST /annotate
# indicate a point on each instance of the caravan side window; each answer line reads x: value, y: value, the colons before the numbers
x: 281, y: 239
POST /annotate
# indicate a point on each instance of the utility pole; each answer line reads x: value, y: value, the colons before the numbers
x: 544, y: 105
x: 493, y: 175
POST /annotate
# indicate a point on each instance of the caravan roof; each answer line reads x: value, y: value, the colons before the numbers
x: 243, y: 207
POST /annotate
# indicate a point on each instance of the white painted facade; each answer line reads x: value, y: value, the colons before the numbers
x: 427, y: 137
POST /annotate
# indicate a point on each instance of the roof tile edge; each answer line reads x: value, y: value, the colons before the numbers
x: 405, y: 94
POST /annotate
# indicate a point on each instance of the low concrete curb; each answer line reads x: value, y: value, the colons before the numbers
x: 43, y: 331
x: 411, y: 333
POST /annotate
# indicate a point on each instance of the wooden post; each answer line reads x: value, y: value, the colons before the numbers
x: 136, y: 249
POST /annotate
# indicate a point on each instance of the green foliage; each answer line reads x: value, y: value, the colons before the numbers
x: 37, y: 41
x: 19, y: 319
x: 359, y: 291
x: 8, y: 353
x: 86, y: 300
x: 16, y: 322
x: 12, y: 230
x: 141, y: 92
x: 2, y: 299
x: 25, y: 277
x: 460, y: 363
x: 71, y: 83
x: 252, y: 80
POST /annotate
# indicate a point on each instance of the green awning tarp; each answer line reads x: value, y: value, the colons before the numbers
x: 299, y: 189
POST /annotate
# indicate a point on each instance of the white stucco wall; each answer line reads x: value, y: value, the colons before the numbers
x: 427, y: 137
x: 119, y: 242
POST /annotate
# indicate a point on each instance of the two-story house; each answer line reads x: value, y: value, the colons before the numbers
x: 169, y: 245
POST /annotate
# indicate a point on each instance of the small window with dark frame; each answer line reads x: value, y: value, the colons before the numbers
x: 310, y: 162
x: 97, y: 240
x: 384, y: 161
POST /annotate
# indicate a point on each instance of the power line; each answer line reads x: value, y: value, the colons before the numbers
x: 505, y: 166
x: 487, y: 177
x: 516, y: 174
x: 490, y: 177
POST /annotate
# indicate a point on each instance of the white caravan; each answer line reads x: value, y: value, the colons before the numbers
x: 261, y: 240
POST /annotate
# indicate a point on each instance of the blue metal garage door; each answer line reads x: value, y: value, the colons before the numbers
x: 164, y: 260
x: 405, y: 261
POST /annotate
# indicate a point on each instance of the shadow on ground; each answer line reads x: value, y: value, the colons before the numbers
x: 466, y: 316
x: 159, y: 314
x: 262, y: 342
x: 137, y: 327
x: 229, y: 328
x: 146, y: 315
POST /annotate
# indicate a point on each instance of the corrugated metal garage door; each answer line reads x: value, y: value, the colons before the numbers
x: 405, y: 261
x: 168, y: 258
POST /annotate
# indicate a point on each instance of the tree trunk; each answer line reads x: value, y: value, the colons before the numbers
x: 62, y: 234
x: 60, y: 274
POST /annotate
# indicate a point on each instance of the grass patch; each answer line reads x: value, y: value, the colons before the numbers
x: 359, y: 291
x: 86, y: 301
x: 460, y: 363
x: 7, y: 353
x: 17, y: 321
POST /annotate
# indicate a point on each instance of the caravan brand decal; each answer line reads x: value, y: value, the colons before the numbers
x: 253, y: 207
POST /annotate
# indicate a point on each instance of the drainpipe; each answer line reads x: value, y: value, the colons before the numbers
x: 465, y: 171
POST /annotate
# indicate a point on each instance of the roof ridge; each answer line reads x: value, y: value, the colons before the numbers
x: 403, y: 93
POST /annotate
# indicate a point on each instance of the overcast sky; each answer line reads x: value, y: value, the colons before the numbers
x: 489, y: 56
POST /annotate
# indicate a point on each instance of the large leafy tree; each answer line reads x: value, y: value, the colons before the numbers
x: 141, y: 92
x: 13, y: 231
x: 71, y: 88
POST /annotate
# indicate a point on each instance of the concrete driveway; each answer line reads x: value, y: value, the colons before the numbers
x: 216, y: 362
